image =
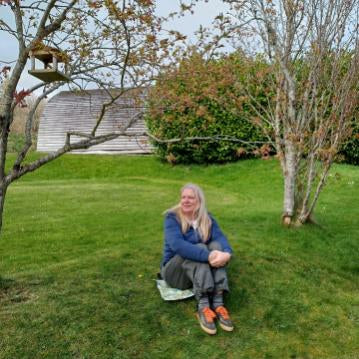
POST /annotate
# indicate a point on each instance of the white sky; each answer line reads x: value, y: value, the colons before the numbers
x: 204, y: 14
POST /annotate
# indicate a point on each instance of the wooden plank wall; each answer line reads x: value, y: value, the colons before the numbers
x: 68, y: 111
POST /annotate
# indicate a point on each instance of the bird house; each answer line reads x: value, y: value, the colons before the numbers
x: 50, y: 57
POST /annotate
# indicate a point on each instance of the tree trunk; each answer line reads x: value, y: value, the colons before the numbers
x: 290, y: 174
x: 307, y: 212
x: 3, y: 189
x: 5, y: 128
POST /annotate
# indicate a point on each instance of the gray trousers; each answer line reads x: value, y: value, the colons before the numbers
x: 184, y: 274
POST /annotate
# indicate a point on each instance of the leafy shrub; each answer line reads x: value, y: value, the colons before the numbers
x: 202, y: 98
x: 16, y: 142
x: 349, y: 152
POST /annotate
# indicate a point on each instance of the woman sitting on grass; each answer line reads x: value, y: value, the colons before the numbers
x: 195, y: 255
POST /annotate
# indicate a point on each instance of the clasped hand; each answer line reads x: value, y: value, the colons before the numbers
x: 218, y: 258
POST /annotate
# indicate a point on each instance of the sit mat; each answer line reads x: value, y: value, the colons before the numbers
x: 168, y: 293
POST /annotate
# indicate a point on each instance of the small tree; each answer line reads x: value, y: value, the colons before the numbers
x: 312, y: 47
x: 108, y: 44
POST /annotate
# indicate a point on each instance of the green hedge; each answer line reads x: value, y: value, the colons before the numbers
x: 204, y: 99
x: 349, y: 152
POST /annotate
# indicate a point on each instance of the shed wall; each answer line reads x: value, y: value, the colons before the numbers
x: 68, y: 111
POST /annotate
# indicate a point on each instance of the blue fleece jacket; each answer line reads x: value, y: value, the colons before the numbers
x: 175, y: 242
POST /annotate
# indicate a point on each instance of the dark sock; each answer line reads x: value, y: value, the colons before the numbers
x: 217, y: 299
x: 203, y: 301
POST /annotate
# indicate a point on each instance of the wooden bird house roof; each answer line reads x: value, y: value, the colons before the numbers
x: 46, y: 53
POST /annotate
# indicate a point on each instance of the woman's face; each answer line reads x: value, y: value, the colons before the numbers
x: 189, y: 202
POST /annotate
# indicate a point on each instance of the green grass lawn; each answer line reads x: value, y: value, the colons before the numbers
x: 82, y: 242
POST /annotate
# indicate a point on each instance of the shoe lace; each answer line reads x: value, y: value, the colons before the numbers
x: 208, y: 314
x: 223, y: 312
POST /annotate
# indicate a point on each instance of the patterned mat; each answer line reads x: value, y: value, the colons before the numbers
x: 168, y: 293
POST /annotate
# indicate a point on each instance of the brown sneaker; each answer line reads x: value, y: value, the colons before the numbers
x: 206, y: 318
x: 223, y: 318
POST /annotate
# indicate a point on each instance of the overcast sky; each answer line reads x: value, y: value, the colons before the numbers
x: 203, y: 15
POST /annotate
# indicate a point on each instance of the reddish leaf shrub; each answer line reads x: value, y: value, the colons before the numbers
x: 201, y: 98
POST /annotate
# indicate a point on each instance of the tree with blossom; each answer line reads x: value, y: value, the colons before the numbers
x: 106, y: 44
x: 312, y: 49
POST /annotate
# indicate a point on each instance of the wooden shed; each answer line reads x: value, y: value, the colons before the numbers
x: 78, y: 111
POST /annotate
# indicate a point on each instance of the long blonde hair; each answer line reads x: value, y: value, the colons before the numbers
x: 200, y: 216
